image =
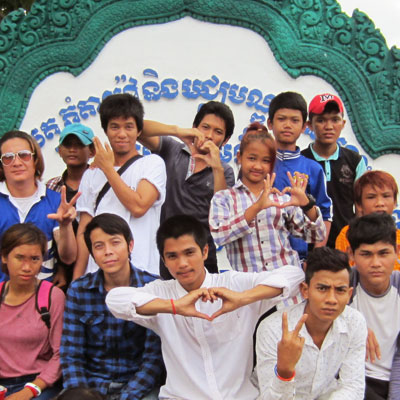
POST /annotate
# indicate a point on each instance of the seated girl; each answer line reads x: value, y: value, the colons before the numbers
x: 29, y: 346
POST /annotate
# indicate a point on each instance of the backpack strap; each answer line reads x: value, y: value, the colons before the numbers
x: 120, y: 171
x: 43, y: 301
x: 2, y: 291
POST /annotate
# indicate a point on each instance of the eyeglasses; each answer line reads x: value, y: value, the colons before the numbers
x: 23, y: 155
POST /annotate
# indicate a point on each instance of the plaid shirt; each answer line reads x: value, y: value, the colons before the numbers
x: 97, y: 348
x: 263, y: 244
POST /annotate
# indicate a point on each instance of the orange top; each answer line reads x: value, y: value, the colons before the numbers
x: 343, y: 244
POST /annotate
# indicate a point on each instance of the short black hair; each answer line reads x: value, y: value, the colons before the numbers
x: 111, y: 224
x: 180, y: 225
x: 326, y: 259
x: 219, y: 109
x: 370, y: 229
x: 291, y: 100
x: 121, y: 105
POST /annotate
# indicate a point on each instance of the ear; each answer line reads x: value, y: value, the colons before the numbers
x: 350, y: 292
x: 3, y: 260
x: 304, y: 127
x: 304, y: 290
x: 224, y: 142
x: 344, y: 123
x: 130, y: 247
x: 309, y: 125
x: 269, y: 124
x: 358, y: 208
x: 205, y: 252
x: 139, y: 133
x: 239, y: 157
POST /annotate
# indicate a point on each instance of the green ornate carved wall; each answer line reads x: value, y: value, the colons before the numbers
x: 307, y: 37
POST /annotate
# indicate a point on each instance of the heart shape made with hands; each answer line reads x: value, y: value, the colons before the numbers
x: 229, y: 299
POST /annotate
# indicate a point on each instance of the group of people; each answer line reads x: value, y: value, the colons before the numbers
x: 291, y: 319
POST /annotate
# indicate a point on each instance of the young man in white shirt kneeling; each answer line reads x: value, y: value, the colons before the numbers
x: 315, y: 349
x: 211, y: 356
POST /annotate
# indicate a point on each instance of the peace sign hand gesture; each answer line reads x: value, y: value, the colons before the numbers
x: 66, y: 212
x: 290, y: 347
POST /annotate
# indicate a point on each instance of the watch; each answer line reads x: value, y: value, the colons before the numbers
x: 311, y: 203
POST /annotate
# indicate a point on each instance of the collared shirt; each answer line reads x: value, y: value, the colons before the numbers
x: 206, y: 360
x: 264, y: 243
x: 342, y: 354
x: 97, y: 348
x: 44, y: 202
x: 341, y: 169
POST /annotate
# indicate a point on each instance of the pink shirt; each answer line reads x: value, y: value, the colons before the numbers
x: 27, y: 346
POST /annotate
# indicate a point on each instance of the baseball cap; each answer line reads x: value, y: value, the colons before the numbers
x: 318, y: 103
x: 82, y: 132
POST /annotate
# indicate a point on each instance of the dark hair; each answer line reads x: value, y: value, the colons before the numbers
x: 291, y: 100
x: 370, y: 229
x: 330, y: 107
x: 222, y: 111
x: 380, y: 179
x: 326, y: 259
x: 257, y: 131
x: 121, y: 105
x: 111, y: 224
x: 19, y: 235
x: 80, y: 393
x: 180, y: 225
x: 35, y: 149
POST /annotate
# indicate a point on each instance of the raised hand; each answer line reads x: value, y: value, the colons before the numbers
x: 297, y: 190
x: 66, y: 212
x: 186, y: 305
x: 290, y: 347
x: 104, y: 156
x: 211, y: 157
x: 264, y: 201
x: 231, y: 300
x: 192, y: 137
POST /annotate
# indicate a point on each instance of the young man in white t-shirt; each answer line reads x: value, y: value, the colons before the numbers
x: 376, y: 295
x: 136, y: 195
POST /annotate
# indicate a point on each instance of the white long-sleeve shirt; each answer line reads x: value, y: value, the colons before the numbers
x: 342, y: 352
x: 206, y: 360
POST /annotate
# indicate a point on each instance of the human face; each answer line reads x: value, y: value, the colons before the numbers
x: 122, y: 134
x: 18, y: 171
x: 255, y: 163
x: 287, y: 126
x: 327, y: 295
x: 213, y: 128
x: 23, y: 264
x: 111, y: 252
x: 375, y: 262
x: 185, y: 261
x: 327, y: 127
x: 73, y: 152
x: 375, y: 199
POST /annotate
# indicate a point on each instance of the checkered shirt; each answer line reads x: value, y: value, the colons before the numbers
x: 97, y: 348
x: 262, y: 245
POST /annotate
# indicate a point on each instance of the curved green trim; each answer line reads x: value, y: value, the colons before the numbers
x: 307, y: 37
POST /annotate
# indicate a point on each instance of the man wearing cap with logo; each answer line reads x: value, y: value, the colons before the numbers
x: 342, y: 166
x: 76, y: 148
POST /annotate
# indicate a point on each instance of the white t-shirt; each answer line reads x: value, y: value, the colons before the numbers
x: 383, y: 317
x: 151, y: 168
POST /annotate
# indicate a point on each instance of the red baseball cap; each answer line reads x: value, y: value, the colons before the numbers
x: 318, y: 103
